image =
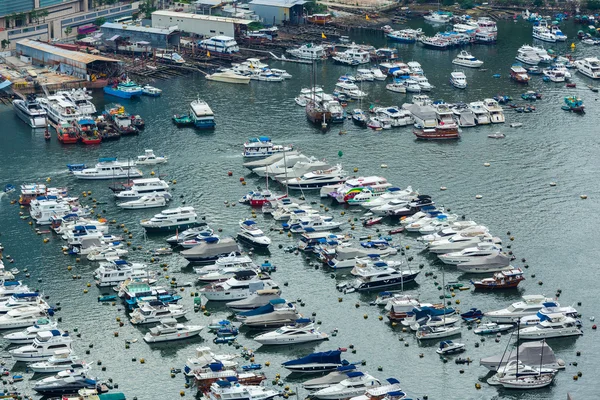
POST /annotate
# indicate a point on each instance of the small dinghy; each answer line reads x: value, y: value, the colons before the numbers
x: 449, y: 347
x: 497, y: 135
x: 372, y: 221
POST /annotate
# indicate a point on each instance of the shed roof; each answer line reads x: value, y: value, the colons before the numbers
x: 135, y: 28
x: 201, y: 17
x: 279, y: 3
x: 72, y: 55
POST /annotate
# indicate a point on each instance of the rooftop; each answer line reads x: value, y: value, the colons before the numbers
x: 279, y: 3
x: 201, y: 17
x: 72, y: 55
x: 135, y: 28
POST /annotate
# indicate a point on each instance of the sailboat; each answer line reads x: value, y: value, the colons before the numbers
x: 315, y: 110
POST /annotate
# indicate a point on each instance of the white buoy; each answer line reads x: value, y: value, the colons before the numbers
x: 552, y: 183
x: 487, y: 164
x: 478, y: 196
x: 384, y: 166
x: 516, y: 125
x: 583, y: 196
x: 443, y: 188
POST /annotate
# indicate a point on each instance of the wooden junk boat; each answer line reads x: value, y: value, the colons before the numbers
x: 501, y: 280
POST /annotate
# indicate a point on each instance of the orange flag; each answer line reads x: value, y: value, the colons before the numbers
x: 207, y: 53
x: 367, y: 17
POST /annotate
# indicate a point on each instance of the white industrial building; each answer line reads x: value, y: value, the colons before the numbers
x: 202, y: 25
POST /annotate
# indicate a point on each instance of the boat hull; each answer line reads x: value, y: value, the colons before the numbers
x: 252, y: 243
x: 32, y: 121
x: 119, y: 93
x: 387, y: 283
x: 150, y: 228
x: 437, y: 134
x: 171, y: 337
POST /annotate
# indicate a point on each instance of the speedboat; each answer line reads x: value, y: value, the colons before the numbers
x: 301, y: 331
x: 530, y: 305
x: 147, y: 201
x: 231, y: 389
x: 240, y: 286
x: 529, y: 353
x: 255, y: 300
x: 23, y: 317
x: 149, y: 158
x: 31, y: 111
x: 551, y: 326
x: 43, y: 347
x: 316, y: 362
x: 149, y: 313
x: 171, y: 219
x: 28, y: 335
x: 458, y: 80
x: 449, y: 347
x: 355, y: 384
x: 109, y: 168
x: 142, y: 187
x: 317, y: 179
x: 461, y: 241
x: 251, y: 234
x: 470, y: 253
x: 169, y: 329
x: 427, y: 332
x: 275, y: 314
x: 61, y: 360
x: 66, y: 381
x: 376, y: 274
x: 465, y: 59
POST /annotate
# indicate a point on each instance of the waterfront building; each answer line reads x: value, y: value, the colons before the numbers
x: 198, y: 24
x: 276, y: 12
x: 113, y: 34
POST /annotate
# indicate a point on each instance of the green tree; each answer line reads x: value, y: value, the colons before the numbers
x: 33, y: 16
x: 312, y: 7
x: 147, y: 7
x: 254, y: 26
x: 20, y: 18
x: 100, y: 21
x: 68, y: 30
x: 42, y: 14
x: 4, y: 43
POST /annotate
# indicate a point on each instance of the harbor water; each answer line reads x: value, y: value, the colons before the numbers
x: 553, y: 229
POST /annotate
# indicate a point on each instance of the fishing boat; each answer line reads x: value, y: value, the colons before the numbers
x: 171, y: 219
x: 263, y: 147
x: 316, y: 362
x: 438, y: 133
x: 202, y: 114
x: 501, y: 280
x: 573, y: 104
x: 449, y: 347
x: 149, y: 158
x: 31, y: 111
x: 519, y: 74
x: 88, y: 131
x: 126, y: 89
x: 169, y: 330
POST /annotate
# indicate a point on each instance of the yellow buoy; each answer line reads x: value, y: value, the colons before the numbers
x: 355, y: 169
x: 152, y: 173
x: 572, y: 45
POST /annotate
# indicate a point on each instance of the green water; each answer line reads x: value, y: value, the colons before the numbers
x: 553, y: 228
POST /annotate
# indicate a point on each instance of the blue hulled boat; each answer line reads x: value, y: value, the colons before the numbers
x: 316, y: 362
x: 125, y: 90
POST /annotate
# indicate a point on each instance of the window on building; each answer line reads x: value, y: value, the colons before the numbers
x: 213, y: 32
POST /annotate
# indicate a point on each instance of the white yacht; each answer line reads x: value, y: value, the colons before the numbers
x: 192, y: 233
x: 396, y: 116
x: 527, y: 57
x: 470, y: 253
x: 142, y: 187
x: 81, y: 98
x: 228, y: 76
x: 301, y: 331
x: 148, y: 201
x: 106, y: 253
x: 43, y: 347
x: 61, y: 360
x: 109, y: 168
x: 438, y: 17
x: 378, y: 75
x: 530, y: 305
x: 423, y: 83
x: 280, y: 166
x: 466, y: 59
x: 364, y: 74
x: 31, y: 111
x: 551, y: 326
x: 229, y: 261
x: 539, y: 52
x: 356, y: 384
x: 112, y: 273
x: 427, y: 332
x: 415, y: 67
x: 396, y: 87
x: 169, y: 329
x: 554, y: 75
x: 202, y: 115
x: 370, y: 200
x: 541, y: 32
x: 238, y: 287
x: 171, y: 219
x: 482, y: 117
x: 461, y: 241
x: 251, y: 234
x: 354, y: 55
x: 494, y: 110
x: 589, y: 66
x: 19, y: 300
x: 313, y: 223
x: 458, y: 80
x: 317, y: 179
x: 375, y: 274
x: 60, y: 110
x: 350, y: 89
x: 230, y: 389
x: 42, y: 209
x: 300, y: 168
x: 26, y: 336
x: 308, y: 51
x: 148, y: 313
x: 220, y: 44
x: 412, y: 86
x: 149, y: 158
x: 346, y: 192
x: 263, y: 147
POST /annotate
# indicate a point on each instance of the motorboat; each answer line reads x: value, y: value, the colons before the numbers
x: 313, y: 223
x: 23, y: 317
x: 519, y: 74
x: 379, y: 122
x: 397, y: 87
x: 169, y: 329
x: 449, y: 347
x: 275, y: 314
x: 482, y: 116
x: 81, y: 98
x: 355, y: 384
x: 152, y: 91
x: 377, y: 74
x: 228, y: 76
x: 515, y: 371
x: 149, y: 158
x: 233, y: 390
x: 437, y: 17
x: 202, y: 231
x: 353, y: 55
x: 171, y: 219
x: 411, y: 85
x: 492, y: 328
x: 466, y: 59
x: 495, y: 262
x: 204, y: 357
x: 61, y: 360
x: 317, y: 179
x: 19, y: 300
x: 316, y: 362
x: 60, y: 110
x: 530, y: 305
x: 287, y: 160
x: 423, y: 83
x: 589, y: 66
x: 252, y: 235
x: 369, y: 199
x: 300, y: 168
x: 125, y: 89
x: 66, y: 381
x: 458, y: 80
x: 149, y: 313
x: 461, y: 241
x: 463, y: 115
x: 405, y: 35
x: 9, y: 288
x: 263, y: 162
x: 43, y: 347
x: 346, y: 257
x: 494, y: 110
x: 529, y: 353
x: 553, y: 75
x: 202, y: 115
x: 426, y: 332
x: 147, y: 201
x: 470, y: 253
x: 112, y: 273
x: 303, y: 330
x: 395, y: 116
x: 210, y: 250
x: 255, y: 300
x: 376, y: 274
x: 240, y: 286
x: 109, y: 168
x: 263, y: 147
x: 29, y: 334
x: 543, y: 314
x: 232, y: 260
x: 223, y: 274
x: 527, y: 57
x: 219, y: 44
x: 551, y: 326
x: 43, y: 208
x: 308, y: 51
x: 349, y: 89
x: 501, y: 280
x: 365, y: 74
x: 31, y: 111
x: 352, y: 187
